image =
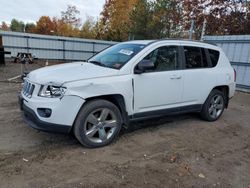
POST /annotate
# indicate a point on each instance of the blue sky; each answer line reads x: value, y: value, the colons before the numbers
x: 31, y: 10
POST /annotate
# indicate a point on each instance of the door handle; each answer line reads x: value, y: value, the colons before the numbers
x: 175, y: 77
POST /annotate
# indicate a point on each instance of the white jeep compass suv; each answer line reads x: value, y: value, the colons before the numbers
x: 128, y: 81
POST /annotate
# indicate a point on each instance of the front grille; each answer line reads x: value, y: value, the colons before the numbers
x: 28, y: 89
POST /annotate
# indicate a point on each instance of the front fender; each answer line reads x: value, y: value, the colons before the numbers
x: 116, y: 85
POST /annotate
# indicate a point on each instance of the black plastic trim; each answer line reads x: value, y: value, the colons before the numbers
x: 242, y: 86
x: 164, y: 112
x: 33, y: 121
x: 240, y: 64
x: 51, y: 49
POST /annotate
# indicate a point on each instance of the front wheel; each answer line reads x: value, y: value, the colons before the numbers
x: 214, y: 106
x: 98, y: 123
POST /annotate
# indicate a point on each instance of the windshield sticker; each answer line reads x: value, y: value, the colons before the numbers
x: 126, y: 52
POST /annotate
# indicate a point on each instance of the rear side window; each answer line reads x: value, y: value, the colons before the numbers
x: 195, y: 57
x: 214, y: 56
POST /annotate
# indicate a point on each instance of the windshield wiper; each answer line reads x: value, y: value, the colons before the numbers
x: 98, y: 63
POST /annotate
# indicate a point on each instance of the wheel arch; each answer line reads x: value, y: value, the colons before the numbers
x: 225, y: 90
x: 116, y: 99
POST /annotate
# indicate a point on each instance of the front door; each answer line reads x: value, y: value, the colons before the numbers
x: 160, y: 88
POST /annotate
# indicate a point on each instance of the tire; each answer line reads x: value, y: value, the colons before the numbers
x: 98, y: 123
x: 214, y: 106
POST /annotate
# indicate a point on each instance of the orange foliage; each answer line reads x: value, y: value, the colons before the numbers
x: 44, y: 26
x: 115, y: 19
x: 143, y: 19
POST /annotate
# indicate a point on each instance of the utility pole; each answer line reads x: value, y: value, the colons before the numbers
x: 191, y: 30
x: 203, y: 29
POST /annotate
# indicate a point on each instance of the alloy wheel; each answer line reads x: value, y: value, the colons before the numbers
x: 100, y: 125
x: 216, y: 106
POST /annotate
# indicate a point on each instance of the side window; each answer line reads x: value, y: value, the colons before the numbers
x: 164, y: 58
x: 195, y: 57
x: 214, y: 56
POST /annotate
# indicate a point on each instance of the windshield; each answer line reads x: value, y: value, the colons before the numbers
x: 117, y: 55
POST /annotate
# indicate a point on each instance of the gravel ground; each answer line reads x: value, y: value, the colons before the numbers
x: 178, y: 151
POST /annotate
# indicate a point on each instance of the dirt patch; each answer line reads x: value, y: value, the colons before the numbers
x: 11, y: 70
x: 178, y: 151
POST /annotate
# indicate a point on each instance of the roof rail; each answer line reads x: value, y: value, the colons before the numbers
x: 198, y: 41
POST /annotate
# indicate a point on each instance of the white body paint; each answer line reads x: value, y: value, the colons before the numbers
x: 141, y: 92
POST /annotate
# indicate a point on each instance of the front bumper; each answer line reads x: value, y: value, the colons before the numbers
x: 61, y: 119
x: 32, y: 120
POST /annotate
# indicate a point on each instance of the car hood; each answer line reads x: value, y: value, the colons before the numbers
x: 69, y: 72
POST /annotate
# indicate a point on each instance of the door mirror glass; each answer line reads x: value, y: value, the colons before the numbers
x: 144, y: 65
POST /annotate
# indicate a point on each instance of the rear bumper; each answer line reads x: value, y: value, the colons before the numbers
x: 33, y: 121
x: 232, y: 88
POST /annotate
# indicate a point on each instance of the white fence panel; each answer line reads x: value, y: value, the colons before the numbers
x: 52, y: 47
x: 237, y: 49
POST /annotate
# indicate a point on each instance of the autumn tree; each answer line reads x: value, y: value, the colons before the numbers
x: 61, y: 28
x: 103, y: 22
x: 235, y: 19
x: 248, y: 18
x: 114, y: 21
x: 146, y: 19
x: 44, y: 26
x: 89, y: 30
x: 67, y: 25
x: 223, y: 17
x: 4, y: 26
x: 194, y: 10
x: 70, y: 16
x: 139, y: 20
x: 166, y: 16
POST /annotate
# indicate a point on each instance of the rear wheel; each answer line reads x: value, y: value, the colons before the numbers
x: 98, y: 123
x: 214, y: 106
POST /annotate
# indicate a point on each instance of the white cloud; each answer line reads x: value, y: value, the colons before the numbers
x: 31, y: 10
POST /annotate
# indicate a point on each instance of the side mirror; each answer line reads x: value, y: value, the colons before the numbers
x: 143, y: 66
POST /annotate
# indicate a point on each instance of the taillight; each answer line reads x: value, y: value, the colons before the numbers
x: 234, y: 75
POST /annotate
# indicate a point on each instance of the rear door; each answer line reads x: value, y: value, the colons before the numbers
x: 198, y: 75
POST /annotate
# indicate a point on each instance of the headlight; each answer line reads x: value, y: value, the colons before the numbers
x: 51, y: 91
